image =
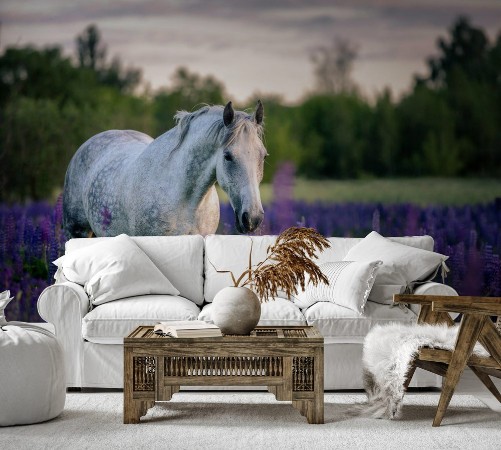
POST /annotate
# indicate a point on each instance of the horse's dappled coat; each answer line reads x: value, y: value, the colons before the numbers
x: 123, y: 181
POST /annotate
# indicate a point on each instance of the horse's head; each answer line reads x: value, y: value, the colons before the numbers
x: 240, y: 166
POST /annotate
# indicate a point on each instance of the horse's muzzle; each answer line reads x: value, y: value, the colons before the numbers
x: 246, y: 223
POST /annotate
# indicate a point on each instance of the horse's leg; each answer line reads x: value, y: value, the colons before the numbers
x: 75, y: 221
x: 78, y: 231
x: 76, y: 224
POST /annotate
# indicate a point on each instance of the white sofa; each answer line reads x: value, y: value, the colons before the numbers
x: 92, y: 338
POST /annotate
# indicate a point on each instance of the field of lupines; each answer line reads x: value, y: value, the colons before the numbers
x: 31, y: 237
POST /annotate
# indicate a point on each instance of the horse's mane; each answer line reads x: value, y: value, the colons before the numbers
x: 242, y: 122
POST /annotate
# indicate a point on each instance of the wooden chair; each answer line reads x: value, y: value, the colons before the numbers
x: 476, y: 326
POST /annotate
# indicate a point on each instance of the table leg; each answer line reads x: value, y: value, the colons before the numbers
x: 301, y: 406
x: 272, y: 390
x: 316, y: 408
x: 134, y: 409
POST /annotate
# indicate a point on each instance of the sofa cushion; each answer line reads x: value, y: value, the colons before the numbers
x: 273, y: 312
x: 179, y: 258
x: 345, y: 325
x: 223, y: 252
x: 114, y: 269
x: 111, y: 322
x: 402, y: 264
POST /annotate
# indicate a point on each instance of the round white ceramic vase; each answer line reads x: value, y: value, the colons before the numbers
x: 236, y: 310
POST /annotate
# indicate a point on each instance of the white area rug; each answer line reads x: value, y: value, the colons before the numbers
x: 240, y: 420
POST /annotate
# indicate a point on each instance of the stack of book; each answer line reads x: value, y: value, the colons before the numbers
x: 187, y: 329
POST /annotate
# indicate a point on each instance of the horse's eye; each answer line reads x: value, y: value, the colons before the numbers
x: 227, y: 156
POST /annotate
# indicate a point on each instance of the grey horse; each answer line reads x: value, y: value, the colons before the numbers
x: 124, y: 181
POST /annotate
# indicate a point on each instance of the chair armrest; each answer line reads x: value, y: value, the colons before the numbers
x: 422, y: 293
x: 64, y: 305
x: 489, y: 306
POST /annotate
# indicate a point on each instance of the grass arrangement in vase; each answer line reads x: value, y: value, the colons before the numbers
x: 237, y: 309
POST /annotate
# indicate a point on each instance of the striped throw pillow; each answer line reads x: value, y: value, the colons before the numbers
x: 349, y: 285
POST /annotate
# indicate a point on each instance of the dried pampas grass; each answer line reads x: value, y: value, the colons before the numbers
x: 286, y: 264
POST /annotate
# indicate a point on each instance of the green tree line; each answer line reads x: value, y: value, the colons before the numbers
x: 447, y: 125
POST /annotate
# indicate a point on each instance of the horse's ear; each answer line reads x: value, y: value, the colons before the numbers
x: 228, y: 114
x: 258, y: 115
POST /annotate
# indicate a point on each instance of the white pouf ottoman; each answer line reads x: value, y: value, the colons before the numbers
x: 32, y: 375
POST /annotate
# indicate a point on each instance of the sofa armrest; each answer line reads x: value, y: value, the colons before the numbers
x: 64, y: 305
x: 432, y: 288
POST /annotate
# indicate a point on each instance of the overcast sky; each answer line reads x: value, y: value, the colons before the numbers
x: 252, y: 46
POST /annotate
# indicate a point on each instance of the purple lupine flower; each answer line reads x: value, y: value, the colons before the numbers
x: 283, y: 192
x: 31, y: 236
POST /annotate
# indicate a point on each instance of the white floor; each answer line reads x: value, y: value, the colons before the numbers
x: 242, y: 420
x: 470, y: 384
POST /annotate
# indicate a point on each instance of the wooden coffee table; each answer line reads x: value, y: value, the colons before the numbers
x: 289, y: 360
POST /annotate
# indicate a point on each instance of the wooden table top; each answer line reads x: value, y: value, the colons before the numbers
x: 270, y: 334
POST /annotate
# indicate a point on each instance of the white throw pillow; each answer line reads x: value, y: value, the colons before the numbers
x: 114, y: 269
x: 402, y: 265
x: 349, y: 285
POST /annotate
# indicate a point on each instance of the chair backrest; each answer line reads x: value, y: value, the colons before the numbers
x: 498, y: 324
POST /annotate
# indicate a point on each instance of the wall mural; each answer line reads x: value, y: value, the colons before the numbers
x: 124, y: 181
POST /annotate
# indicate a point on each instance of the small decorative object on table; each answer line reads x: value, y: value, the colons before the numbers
x: 187, y: 329
x: 237, y: 309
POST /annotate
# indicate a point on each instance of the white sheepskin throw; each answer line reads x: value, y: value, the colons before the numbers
x: 387, y: 356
